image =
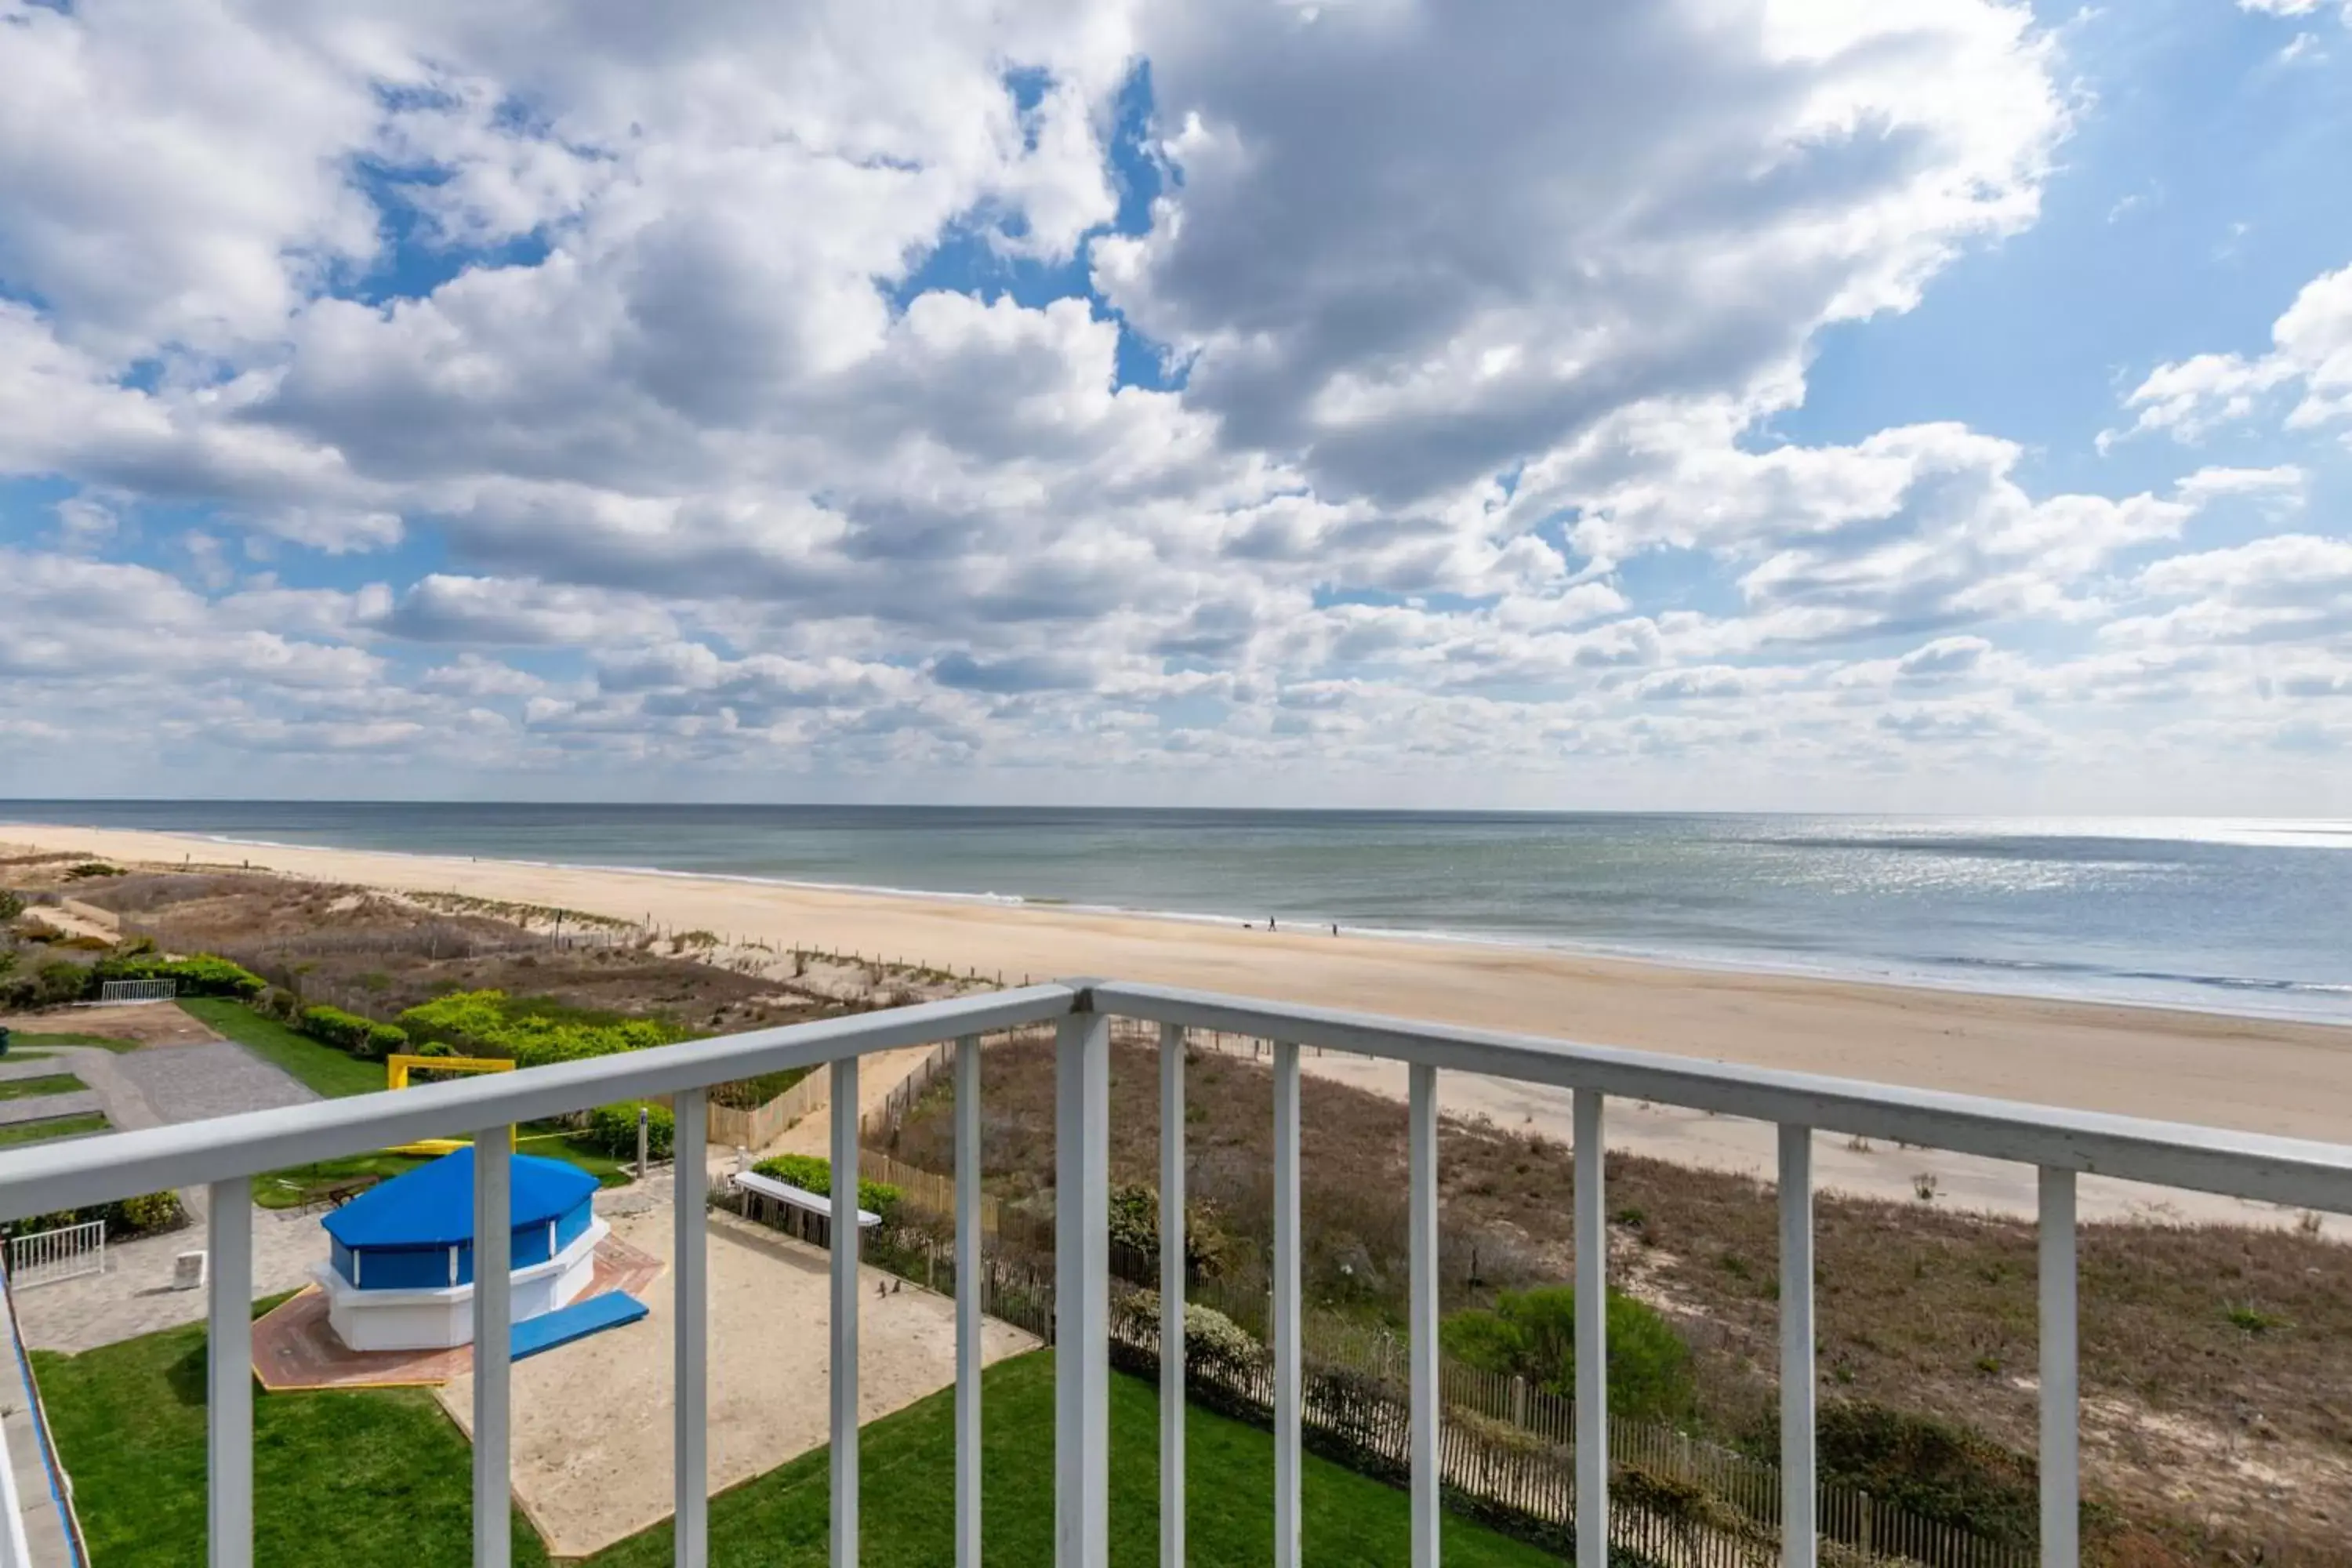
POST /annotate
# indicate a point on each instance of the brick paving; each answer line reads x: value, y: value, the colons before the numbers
x: 293, y: 1347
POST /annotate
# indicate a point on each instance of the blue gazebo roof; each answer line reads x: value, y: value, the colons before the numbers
x: 432, y: 1206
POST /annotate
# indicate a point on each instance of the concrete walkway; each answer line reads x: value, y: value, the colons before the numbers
x: 135, y: 1297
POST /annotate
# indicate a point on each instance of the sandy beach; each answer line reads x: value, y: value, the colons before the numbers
x: 2255, y: 1074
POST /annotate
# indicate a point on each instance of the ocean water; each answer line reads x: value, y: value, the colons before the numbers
x: 2243, y: 916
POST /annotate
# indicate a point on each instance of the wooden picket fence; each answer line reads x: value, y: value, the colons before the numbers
x: 1675, y: 1500
x: 926, y: 1192
x: 758, y: 1128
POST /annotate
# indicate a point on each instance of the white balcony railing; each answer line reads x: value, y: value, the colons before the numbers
x: 227, y: 1152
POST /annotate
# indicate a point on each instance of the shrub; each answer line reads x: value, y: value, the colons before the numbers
x: 613, y: 1129
x: 88, y: 869
x: 1212, y: 1340
x: 492, y: 1025
x: 12, y: 904
x: 55, y: 983
x: 202, y: 976
x: 1944, y: 1472
x: 348, y: 1032
x: 814, y: 1174
x: 126, y: 1217
x: 1532, y: 1334
x: 1135, y: 1224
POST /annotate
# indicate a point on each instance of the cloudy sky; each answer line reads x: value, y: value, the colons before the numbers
x: 1690, y: 403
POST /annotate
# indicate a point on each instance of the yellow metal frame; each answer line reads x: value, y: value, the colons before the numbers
x: 396, y: 1069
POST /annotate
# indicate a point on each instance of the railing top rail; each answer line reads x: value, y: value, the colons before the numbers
x: 2292, y: 1171
x: 2296, y: 1172
x: 48, y: 1177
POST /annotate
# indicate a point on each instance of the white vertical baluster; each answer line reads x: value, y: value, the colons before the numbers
x: 1286, y: 1293
x: 967, y: 1301
x: 1172, y: 1296
x: 690, y: 1304
x: 1082, y: 1293
x: 493, y: 1342
x: 843, y: 1234
x: 229, y: 1418
x: 1420, y: 1120
x: 2061, y: 1475
x: 1799, y: 1537
x: 1591, y: 1339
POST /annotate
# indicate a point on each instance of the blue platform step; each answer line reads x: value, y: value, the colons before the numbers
x: 576, y: 1321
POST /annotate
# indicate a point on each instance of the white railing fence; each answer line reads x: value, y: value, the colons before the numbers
x: 227, y: 1152
x: 111, y: 991
x: 44, y: 1256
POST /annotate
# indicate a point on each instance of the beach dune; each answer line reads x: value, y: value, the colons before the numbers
x: 2253, y: 1074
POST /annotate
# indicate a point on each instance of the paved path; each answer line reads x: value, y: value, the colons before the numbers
x: 165, y: 1084
x: 135, y: 1297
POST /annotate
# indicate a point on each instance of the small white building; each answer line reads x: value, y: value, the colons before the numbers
x: 401, y: 1276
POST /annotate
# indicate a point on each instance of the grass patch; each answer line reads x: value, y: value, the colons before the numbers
x: 382, y: 1478
x: 18, y: 1133
x: 907, y: 1470
x: 297, y: 1185
x: 23, y: 1040
x: 322, y: 1068
x: 36, y: 1088
x: 378, y: 1480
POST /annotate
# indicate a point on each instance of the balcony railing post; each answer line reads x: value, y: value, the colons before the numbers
x: 690, y: 1303
x: 1172, y: 1283
x: 1082, y: 1293
x: 967, y: 1300
x: 1286, y: 1294
x: 2061, y: 1477
x: 1799, y: 1540
x: 228, y: 1411
x: 493, y: 1342
x: 842, y: 1236
x: 1421, y: 1117
x: 1592, y: 1241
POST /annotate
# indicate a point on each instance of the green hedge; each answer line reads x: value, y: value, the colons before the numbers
x: 202, y: 976
x: 52, y: 984
x: 143, y: 1216
x: 490, y: 1025
x: 814, y: 1174
x: 348, y: 1032
x: 613, y: 1129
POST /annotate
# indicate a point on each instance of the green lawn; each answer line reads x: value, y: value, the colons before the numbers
x: 22, y: 1132
x: 23, y: 1040
x: 326, y: 1070
x: 379, y: 1479
x: 35, y: 1088
x: 382, y: 1478
x: 299, y: 1185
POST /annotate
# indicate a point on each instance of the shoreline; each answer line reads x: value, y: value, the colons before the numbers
x: 2244, y: 994
x: 2254, y: 1073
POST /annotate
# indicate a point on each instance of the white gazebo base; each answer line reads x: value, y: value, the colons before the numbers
x: 439, y: 1318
